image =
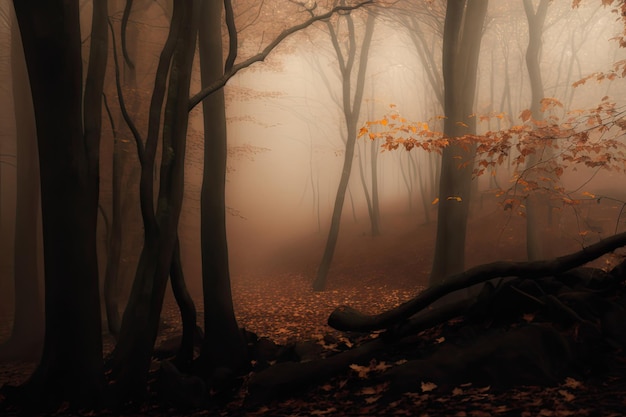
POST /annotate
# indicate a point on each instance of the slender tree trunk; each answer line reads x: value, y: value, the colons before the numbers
x: 71, y: 363
x: 184, y: 357
x: 536, y: 203
x: 362, y: 158
x: 461, y: 47
x: 351, y: 110
x: 140, y: 322
x: 223, y: 346
x: 375, y: 200
x: 114, y: 245
x: 28, y: 323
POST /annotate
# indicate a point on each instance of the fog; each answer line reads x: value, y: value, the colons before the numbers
x: 286, y: 128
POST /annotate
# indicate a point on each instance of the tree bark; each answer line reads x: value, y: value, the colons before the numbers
x: 461, y: 46
x: 28, y: 324
x: 71, y: 364
x: 132, y: 356
x: 536, y: 203
x: 223, y: 345
x: 184, y: 357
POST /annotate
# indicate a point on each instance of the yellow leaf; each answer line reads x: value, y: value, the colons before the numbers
x: 588, y: 194
x: 455, y: 198
x: 384, y: 122
x: 363, y: 131
x: 435, y: 201
x: 462, y: 124
x: 526, y: 115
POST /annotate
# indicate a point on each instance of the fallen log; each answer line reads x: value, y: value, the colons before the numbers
x: 346, y: 318
x: 286, y: 378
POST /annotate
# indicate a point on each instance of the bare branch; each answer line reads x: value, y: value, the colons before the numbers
x: 219, y: 83
x: 233, y: 43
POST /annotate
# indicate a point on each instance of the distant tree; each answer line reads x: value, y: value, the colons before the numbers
x: 351, y: 110
x: 68, y: 135
x: 536, y: 205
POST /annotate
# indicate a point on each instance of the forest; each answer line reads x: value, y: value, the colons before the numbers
x: 312, y: 207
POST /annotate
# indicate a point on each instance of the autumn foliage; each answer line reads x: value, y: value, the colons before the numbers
x: 563, y: 140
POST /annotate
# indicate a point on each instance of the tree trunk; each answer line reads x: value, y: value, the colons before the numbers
x: 536, y: 203
x: 184, y: 357
x: 375, y: 199
x: 223, y: 345
x: 461, y: 47
x: 140, y: 322
x: 28, y: 325
x: 71, y: 364
x: 351, y: 110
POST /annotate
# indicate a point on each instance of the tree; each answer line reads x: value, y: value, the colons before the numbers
x: 351, y: 111
x: 461, y: 46
x: 133, y: 352
x: 223, y: 346
x: 68, y: 134
x: 535, y: 205
x: 27, y: 333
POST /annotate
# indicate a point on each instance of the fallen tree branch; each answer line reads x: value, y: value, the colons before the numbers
x: 346, y: 318
x: 286, y: 378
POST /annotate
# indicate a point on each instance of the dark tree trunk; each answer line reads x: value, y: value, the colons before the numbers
x: 184, y: 357
x: 536, y: 203
x: 28, y: 325
x: 71, y: 364
x: 114, y: 247
x: 223, y: 345
x: 461, y: 47
x: 351, y: 111
x: 140, y: 322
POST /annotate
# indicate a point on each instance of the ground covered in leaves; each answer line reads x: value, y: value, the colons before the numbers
x: 374, y: 274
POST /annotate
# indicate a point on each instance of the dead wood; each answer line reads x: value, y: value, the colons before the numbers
x: 346, y: 318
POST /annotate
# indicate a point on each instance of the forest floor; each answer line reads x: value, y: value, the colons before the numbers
x: 373, y: 274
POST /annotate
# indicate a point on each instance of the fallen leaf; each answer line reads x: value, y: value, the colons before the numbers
x: 567, y: 395
x: 323, y: 412
x: 572, y: 383
x: 428, y: 386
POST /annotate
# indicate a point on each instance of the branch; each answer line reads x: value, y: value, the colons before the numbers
x: 219, y: 83
x: 232, y: 35
x: 120, y: 94
x: 346, y: 318
x: 127, y: 9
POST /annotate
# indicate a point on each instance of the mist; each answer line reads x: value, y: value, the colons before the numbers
x: 420, y: 205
